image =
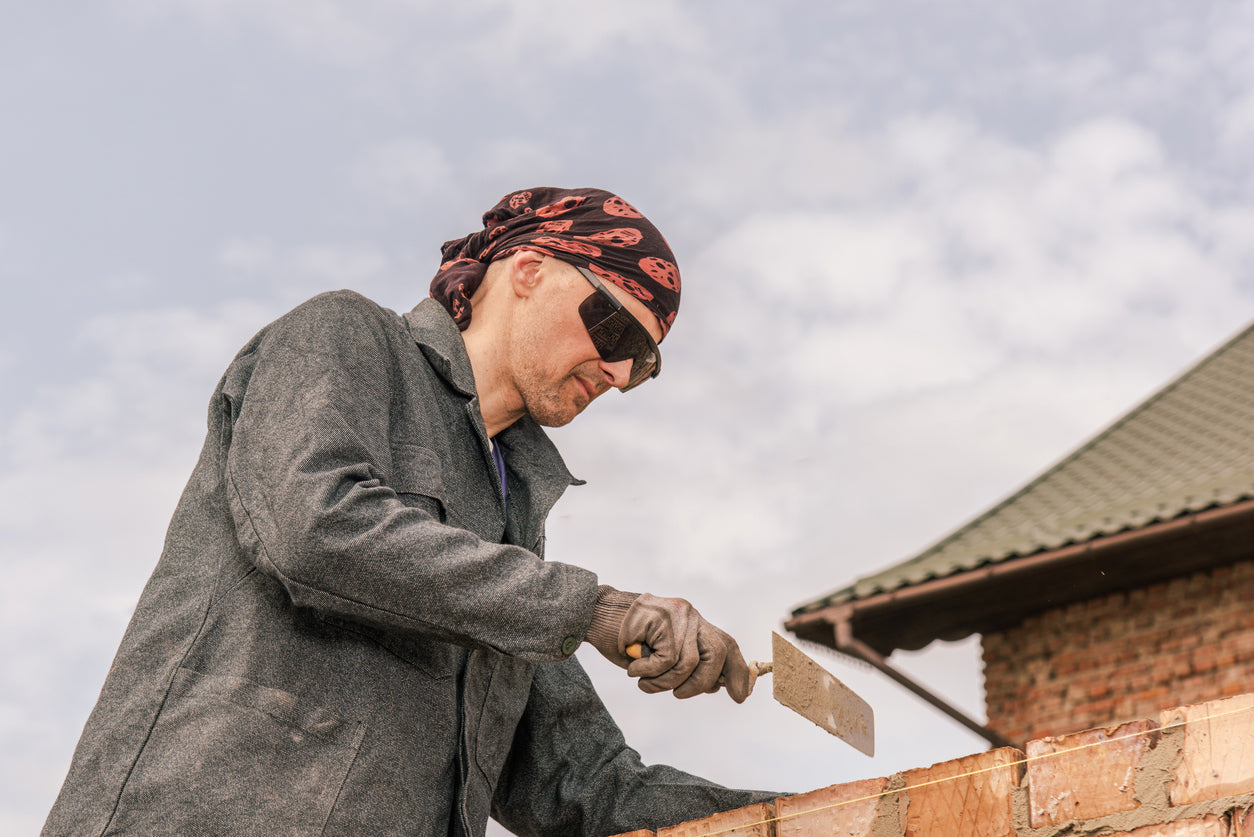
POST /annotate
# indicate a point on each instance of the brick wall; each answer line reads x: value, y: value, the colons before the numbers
x: 1189, y: 772
x: 1123, y: 656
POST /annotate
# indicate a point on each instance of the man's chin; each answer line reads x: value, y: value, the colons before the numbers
x: 554, y: 422
x: 558, y: 409
x: 558, y: 415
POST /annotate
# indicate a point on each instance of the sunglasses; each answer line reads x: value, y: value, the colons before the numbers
x: 617, y: 335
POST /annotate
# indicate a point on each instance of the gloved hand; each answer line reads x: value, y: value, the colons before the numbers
x: 688, y: 654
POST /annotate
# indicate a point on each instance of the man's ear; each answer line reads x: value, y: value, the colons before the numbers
x: 524, y: 271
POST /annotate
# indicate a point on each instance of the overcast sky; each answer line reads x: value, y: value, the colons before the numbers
x: 927, y: 248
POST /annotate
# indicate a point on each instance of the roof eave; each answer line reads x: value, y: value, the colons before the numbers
x: 997, y: 595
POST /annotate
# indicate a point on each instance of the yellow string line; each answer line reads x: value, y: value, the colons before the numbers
x: 1023, y: 761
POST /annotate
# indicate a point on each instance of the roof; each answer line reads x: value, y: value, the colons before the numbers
x: 1186, y: 449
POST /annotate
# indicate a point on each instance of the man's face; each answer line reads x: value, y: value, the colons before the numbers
x: 557, y: 370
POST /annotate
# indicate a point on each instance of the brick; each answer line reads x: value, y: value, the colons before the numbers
x: 847, y: 810
x: 750, y: 821
x: 1097, y: 708
x: 966, y: 797
x: 1217, y: 753
x: 1243, y: 823
x: 1208, y: 826
x: 637, y: 834
x: 1204, y: 659
x: 1086, y: 775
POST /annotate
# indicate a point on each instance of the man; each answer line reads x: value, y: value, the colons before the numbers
x: 351, y: 629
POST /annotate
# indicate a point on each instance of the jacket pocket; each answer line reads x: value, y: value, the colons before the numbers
x: 228, y: 756
x: 417, y: 477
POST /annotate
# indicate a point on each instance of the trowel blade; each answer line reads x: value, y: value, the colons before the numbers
x: 808, y: 689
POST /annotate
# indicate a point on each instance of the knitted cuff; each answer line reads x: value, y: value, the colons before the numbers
x: 607, y: 618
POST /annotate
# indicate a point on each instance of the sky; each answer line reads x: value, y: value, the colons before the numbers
x: 927, y: 250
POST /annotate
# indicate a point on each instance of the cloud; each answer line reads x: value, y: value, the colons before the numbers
x: 995, y: 306
x: 541, y: 34
x: 493, y: 33
x: 91, y: 461
x: 1031, y: 248
x: 143, y: 378
x: 405, y: 172
x: 285, y: 275
x: 325, y: 29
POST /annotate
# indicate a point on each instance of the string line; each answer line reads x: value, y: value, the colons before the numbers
x: 1019, y: 762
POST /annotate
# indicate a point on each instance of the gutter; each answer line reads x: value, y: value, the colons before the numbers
x: 840, y: 616
x: 1072, y: 552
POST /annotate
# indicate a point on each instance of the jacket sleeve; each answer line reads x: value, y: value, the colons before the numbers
x: 305, y: 424
x: 570, y: 771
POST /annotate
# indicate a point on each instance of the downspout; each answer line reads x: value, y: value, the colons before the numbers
x: 847, y: 643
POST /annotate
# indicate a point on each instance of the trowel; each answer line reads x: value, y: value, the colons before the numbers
x: 808, y: 689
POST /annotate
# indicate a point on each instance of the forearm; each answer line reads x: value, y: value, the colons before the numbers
x: 571, y: 772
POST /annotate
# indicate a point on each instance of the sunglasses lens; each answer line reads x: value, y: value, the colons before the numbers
x: 618, y: 336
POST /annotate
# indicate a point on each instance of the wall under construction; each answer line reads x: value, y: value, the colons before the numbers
x: 1126, y: 655
x: 1187, y: 773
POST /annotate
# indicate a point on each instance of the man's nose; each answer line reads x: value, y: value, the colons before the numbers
x: 618, y: 372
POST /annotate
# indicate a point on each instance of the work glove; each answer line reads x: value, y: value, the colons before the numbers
x: 685, y: 654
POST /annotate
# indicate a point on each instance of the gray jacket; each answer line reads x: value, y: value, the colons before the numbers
x: 349, y: 630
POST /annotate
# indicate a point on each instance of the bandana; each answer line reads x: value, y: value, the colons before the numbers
x: 588, y: 228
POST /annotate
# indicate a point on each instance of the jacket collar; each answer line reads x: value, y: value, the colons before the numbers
x: 528, y: 447
x: 436, y: 334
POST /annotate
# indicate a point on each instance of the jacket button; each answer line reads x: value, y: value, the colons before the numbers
x: 569, y: 645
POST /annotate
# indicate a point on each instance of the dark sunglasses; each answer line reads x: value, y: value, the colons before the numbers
x: 617, y: 335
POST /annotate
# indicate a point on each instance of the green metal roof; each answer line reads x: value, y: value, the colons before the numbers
x: 1189, y: 447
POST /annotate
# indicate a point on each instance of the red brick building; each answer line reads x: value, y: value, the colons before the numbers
x: 1118, y: 583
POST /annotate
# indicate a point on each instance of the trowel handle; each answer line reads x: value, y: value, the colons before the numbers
x: 638, y: 650
x: 756, y: 670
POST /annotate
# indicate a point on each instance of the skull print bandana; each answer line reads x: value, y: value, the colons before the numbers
x: 588, y: 228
